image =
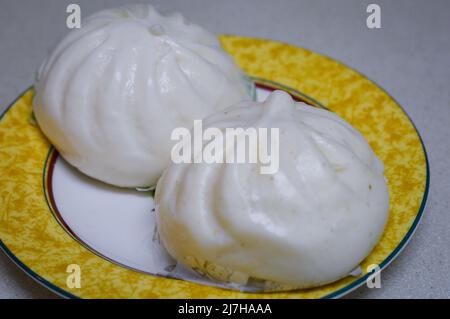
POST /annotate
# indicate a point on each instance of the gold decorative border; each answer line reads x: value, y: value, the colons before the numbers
x: 37, y: 242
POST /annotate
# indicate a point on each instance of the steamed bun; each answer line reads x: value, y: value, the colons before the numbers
x: 110, y: 94
x: 310, y: 223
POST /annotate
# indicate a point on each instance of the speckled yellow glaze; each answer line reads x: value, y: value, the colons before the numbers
x: 31, y: 233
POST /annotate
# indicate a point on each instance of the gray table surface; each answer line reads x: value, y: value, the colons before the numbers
x: 409, y: 57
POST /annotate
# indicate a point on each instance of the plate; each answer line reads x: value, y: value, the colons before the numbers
x: 52, y: 216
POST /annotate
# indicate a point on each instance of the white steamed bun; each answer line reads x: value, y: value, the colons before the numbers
x: 111, y: 92
x: 310, y: 223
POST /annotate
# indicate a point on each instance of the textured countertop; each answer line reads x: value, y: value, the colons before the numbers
x: 409, y: 57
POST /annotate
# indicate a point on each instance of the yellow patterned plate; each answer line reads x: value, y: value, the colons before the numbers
x: 52, y: 217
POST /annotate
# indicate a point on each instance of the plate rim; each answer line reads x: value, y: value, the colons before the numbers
x: 336, y: 294
x: 27, y: 270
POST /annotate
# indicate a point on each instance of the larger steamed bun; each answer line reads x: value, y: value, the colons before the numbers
x: 111, y: 92
x: 310, y: 223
